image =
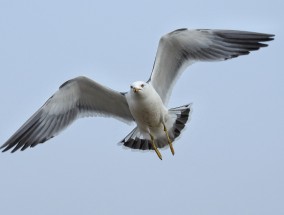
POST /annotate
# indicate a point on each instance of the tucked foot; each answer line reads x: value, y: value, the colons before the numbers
x: 155, y: 147
x: 169, y: 140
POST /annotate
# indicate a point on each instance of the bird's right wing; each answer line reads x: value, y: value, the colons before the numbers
x: 77, y: 97
x: 182, y: 47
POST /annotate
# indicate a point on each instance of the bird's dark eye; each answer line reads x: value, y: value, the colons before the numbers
x: 142, y: 85
x: 131, y: 87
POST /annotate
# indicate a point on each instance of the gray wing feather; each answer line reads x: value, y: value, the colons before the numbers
x: 76, y: 98
x: 179, y: 49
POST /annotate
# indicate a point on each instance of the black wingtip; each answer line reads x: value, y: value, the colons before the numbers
x: 5, y: 150
x: 6, y: 147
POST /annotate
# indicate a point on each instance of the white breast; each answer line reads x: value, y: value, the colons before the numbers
x: 147, y: 108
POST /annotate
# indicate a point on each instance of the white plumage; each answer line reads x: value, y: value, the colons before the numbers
x: 146, y: 102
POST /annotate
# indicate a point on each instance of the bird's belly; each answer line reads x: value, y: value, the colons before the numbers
x: 147, y: 116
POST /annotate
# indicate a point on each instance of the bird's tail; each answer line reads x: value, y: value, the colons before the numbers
x: 176, y: 123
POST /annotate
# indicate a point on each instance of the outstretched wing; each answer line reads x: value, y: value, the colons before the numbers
x: 182, y: 47
x: 78, y: 97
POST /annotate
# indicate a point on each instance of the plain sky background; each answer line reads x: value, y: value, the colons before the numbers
x: 229, y: 160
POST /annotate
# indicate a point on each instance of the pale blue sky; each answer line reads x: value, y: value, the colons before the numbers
x: 229, y: 160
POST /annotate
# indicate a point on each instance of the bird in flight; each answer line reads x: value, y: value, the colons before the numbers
x: 146, y: 102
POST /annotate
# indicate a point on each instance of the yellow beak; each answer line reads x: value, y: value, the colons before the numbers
x: 135, y: 90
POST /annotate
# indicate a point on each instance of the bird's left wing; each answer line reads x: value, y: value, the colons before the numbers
x: 182, y: 47
x: 76, y: 98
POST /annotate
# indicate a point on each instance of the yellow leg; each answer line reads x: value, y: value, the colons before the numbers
x: 169, y: 140
x: 155, y: 147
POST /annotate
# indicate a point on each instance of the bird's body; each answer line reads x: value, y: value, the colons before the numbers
x: 146, y: 102
x: 146, y: 107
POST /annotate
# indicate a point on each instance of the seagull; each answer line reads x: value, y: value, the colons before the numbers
x: 146, y: 102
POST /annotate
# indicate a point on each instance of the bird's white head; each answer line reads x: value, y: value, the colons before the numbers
x: 139, y: 87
